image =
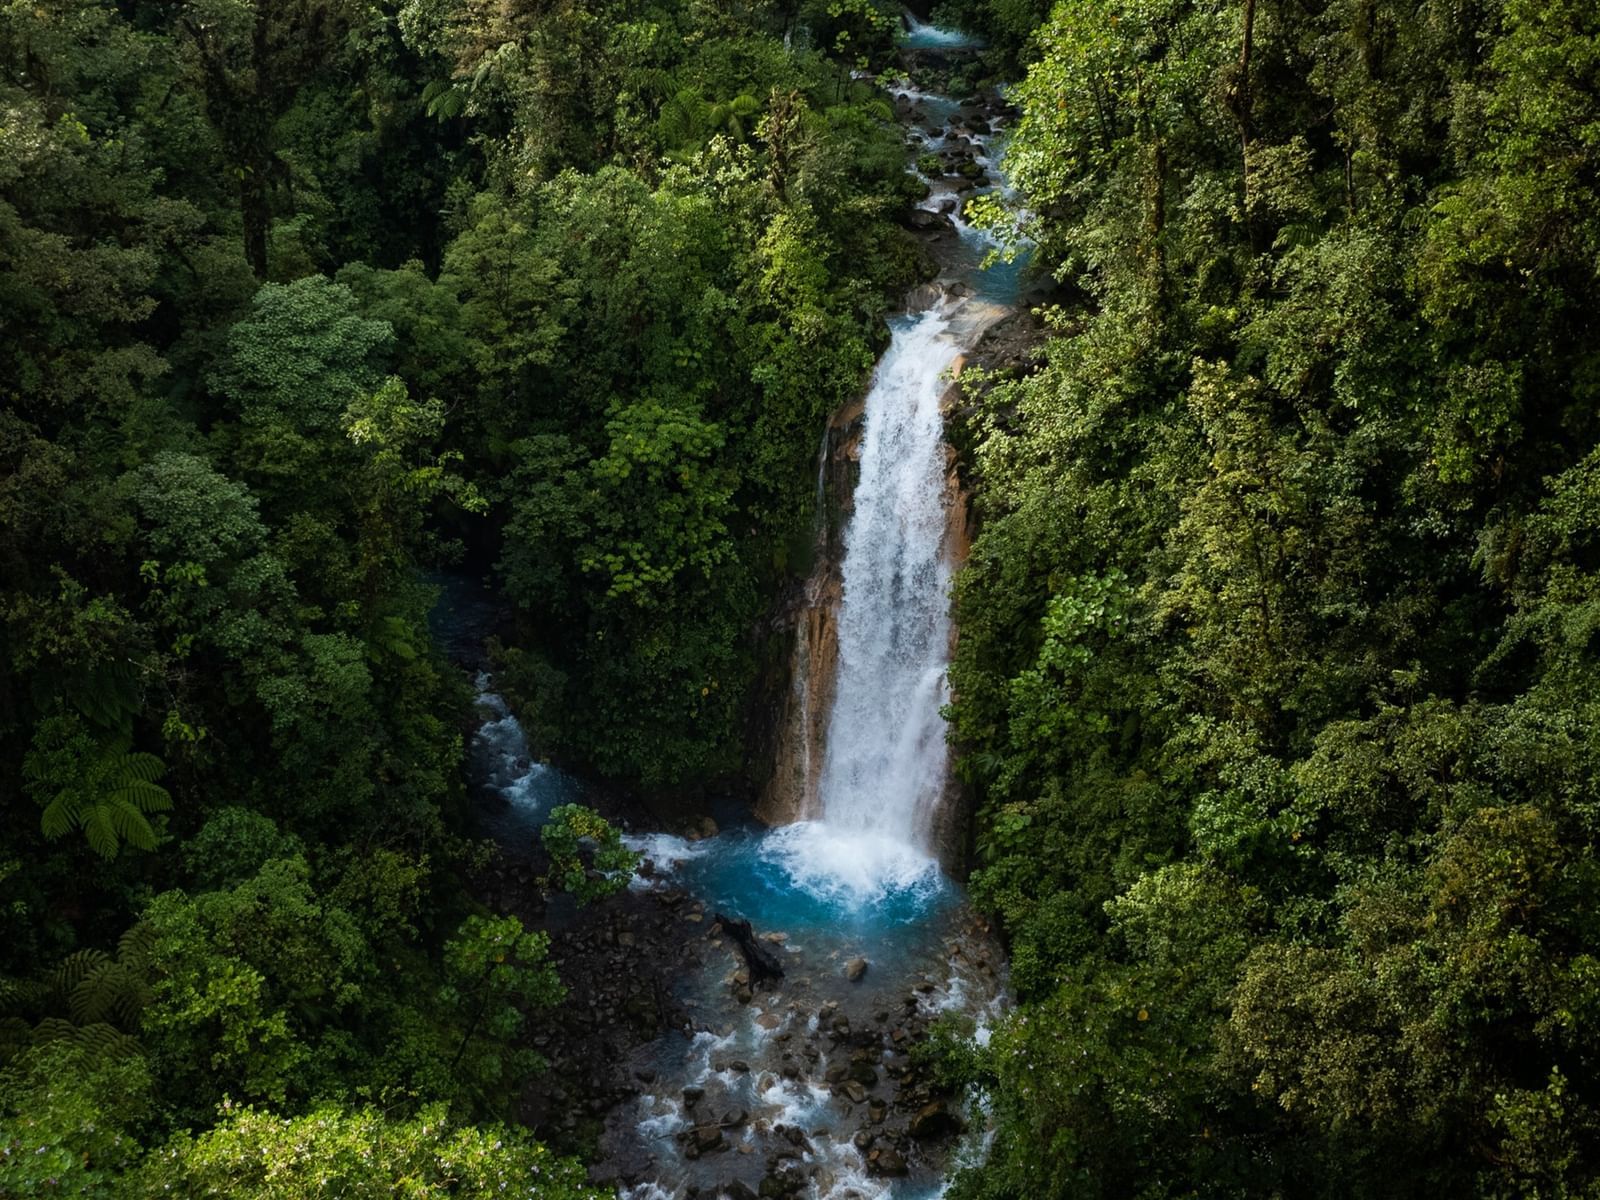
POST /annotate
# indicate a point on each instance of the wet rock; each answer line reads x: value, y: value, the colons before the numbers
x: 934, y: 1120
x: 734, y: 1118
x: 693, y: 1096
x: 706, y: 1137
x: 855, y: 1091
x: 863, y: 1074
x: 923, y: 221
x: 887, y: 1161
x: 863, y: 1139
x: 738, y: 1189
x: 855, y: 969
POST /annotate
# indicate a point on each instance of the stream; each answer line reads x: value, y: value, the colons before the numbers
x: 807, y: 1087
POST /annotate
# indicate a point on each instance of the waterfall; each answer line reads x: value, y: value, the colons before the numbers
x: 884, y: 764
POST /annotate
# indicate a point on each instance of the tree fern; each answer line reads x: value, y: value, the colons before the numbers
x: 98, y: 1039
x: 102, y: 788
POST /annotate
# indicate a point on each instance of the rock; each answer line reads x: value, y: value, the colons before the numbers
x: 706, y: 1137
x: 740, y: 1066
x: 855, y: 1091
x: 693, y: 1096
x: 707, y: 828
x: 769, y: 1020
x: 855, y: 969
x: 887, y: 1161
x: 863, y: 1139
x: 923, y: 221
x: 738, y: 1189
x: 863, y: 1074
x: 776, y: 937
x: 734, y: 1118
x: 934, y: 1120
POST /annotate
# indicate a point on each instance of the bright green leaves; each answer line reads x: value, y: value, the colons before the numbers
x: 665, y: 501
x: 243, y: 980
x: 688, y: 120
x: 587, y: 857
x: 495, y: 960
x: 68, y: 1117
x: 1044, y: 698
x: 495, y: 970
x: 99, y: 786
x: 300, y: 356
x: 361, y: 1154
x: 858, y: 31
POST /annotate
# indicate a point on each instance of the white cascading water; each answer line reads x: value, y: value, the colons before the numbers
x: 884, y: 765
x: 884, y: 768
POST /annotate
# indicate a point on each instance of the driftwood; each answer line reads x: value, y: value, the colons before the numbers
x: 763, y: 963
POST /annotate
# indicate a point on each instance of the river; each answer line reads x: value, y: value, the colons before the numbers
x: 808, y: 1086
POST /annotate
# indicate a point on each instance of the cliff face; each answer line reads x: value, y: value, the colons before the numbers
x: 802, y: 719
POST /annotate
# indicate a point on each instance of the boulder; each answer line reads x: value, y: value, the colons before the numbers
x: 887, y: 1161
x: 706, y: 1137
x: 934, y: 1120
x: 855, y: 969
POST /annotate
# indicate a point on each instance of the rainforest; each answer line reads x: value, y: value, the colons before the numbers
x: 777, y: 599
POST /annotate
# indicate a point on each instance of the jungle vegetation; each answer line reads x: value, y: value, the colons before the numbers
x: 302, y: 302
x: 1279, y: 660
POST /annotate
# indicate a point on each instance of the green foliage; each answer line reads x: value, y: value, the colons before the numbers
x: 573, y: 829
x: 69, y: 1121
x: 255, y: 1155
x: 494, y: 971
x: 1277, y: 658
x: 241, y: 980
x: 100, y: 787
x: 299, y: 301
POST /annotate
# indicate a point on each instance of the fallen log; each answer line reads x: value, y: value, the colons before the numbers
x: 763, y: 963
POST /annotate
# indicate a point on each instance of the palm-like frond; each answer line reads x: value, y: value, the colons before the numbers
x: 110, y: 798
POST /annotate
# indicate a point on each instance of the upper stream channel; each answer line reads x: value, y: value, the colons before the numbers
x: 805, y: 1086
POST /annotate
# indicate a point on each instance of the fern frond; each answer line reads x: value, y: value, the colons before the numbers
x: 101, y: 832
x: 59, y: 816
x: 99, y: 1040
x: 138, y: 766
x: 78, y: 966
x: 141, y: 796
x: 135, y: 946
x: 127, y: 822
